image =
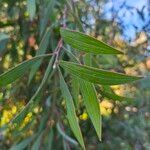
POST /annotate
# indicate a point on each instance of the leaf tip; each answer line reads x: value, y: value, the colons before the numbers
x: 139, y: 77
x: 120, y: 52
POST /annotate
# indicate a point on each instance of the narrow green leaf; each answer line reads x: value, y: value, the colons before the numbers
x: 86, y: 43
x: 43, y: 123
x: 75, y: 82
x: 64, y: 145
x: 31, y: 8
x: 18, y: 71
x: 114, y: 97
x: 50, y: 138
x: 32, y: 103
x: 90, y: 99
x: 97, y: 76
x: 92, y: 105
x: 42, y: 49
x: 45, y: 13
x: 71, y: 115
x: 65, y: 136
x: 23, y: 144
x: 36, y: 145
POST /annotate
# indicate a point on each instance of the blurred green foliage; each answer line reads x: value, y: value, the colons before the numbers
x: 23, y: 26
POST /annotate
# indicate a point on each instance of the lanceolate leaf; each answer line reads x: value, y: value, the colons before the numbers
x: 45, y: 14
x: 114, y: 97
x: 36, y: 145
x: 18, y: 71
x: 32, y: 103
x: 42, y: 49
x: 90, y: 99
x: 50, y: 139
x: 22, y: 145
x: 65, y: 136
x: 95, y: 75
x: 71, y: 115
x: 92, y: 105
x: 86, y: 43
